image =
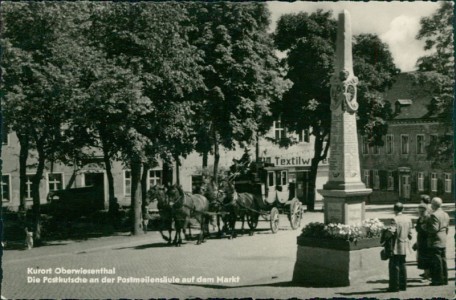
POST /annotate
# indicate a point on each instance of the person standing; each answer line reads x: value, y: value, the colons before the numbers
x: 423, y: 256
x: 437, y: 231
x: 397, y: 271
x: 425, y: 199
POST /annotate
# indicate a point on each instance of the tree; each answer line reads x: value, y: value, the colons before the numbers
x: 152, y: 44
x: 435, y: 76
x: 37, y: 88
x: 309, y: 41
x: 241, y: 74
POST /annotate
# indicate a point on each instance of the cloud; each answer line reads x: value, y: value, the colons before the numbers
x: 400, y: 37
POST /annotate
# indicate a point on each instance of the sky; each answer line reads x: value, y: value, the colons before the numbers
x: 396, y: 23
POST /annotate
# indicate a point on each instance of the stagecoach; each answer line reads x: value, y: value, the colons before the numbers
x: 275, y: 194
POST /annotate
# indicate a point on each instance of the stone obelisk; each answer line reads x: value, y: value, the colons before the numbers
x: 344, y: 194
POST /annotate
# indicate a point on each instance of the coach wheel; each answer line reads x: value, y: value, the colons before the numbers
x: 295, y: 214
x: 274, y: 219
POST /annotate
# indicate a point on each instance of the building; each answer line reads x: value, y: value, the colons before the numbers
x: 402, y: 168
x: 295, y: 160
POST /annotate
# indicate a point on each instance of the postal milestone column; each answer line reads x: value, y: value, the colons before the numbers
x: 344, y: 194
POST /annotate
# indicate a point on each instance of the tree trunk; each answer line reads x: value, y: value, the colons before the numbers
x: 136, y: 198
x: 177, y: 170
x: 36, y: 193
x: 205, y: 162
x: 23, y: 155
x: 112, y: 200
x: 319, y: 154
x: 144, y: 188
x: 257, y: 148
x: 216, y: 157
x: 167, y: 174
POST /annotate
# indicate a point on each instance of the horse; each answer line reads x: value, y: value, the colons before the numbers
x: 186, y: 206
x: 215, y: 196
x: 238, y: 205
x: 158, y: 192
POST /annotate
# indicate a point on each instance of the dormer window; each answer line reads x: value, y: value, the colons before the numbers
x: 400, y: 103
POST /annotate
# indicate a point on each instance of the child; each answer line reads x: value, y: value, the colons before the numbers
x: 28, y: 238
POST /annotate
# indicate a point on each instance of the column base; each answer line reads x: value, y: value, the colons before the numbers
x: 345, y: 206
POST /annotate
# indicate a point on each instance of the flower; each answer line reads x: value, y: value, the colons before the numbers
x: 369, y: 228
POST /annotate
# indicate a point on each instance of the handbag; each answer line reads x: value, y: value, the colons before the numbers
x: 384, y: 255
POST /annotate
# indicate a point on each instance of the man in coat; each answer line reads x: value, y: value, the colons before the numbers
x: 397, y: 270
x: 437, y: 230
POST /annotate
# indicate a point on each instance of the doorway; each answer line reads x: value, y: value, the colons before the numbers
x: 405, y: 187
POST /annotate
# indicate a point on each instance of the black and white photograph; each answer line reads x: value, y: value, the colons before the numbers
x: 217, y: 149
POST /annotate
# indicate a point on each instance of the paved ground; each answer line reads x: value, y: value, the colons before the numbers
x: 258, y: 266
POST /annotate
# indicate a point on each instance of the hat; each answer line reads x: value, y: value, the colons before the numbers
x: 422, y: 205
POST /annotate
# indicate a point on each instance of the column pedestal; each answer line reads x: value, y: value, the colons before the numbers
x: 345, y: 206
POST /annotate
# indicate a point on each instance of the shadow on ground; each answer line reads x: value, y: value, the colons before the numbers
x: 222, y: 287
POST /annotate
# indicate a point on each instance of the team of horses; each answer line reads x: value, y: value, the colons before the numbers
x: 213, y: 203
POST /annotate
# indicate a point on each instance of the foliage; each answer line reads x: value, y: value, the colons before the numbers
x: 311, y: 38
x: 241, y: 73
x: 436, y: 75
x: 370, y: 228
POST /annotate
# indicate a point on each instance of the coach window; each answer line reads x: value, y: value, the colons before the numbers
x: 271, y: 178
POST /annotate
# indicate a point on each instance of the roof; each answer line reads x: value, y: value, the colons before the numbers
x: 408, y: 100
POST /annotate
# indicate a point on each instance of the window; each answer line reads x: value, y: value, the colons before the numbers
x: 28, y: 187
x: 279, y: 130
x: 5, y: 134
x: 434, y: 182
x: 366, y: 177
x: 278, y: 178
x: 389, y: 144
x: 284, y: 177
x: 390, y: 181
x: 420, y: 181
x: 271, y: 178
x: 365, y: 148
x: 304, y: 136
x: 55, y: 181
x: 419, y: 144
x: 127, y: 183
x: 447, y: 183
x: 154, y: 178
x: 6, y: 188
x: 404, y: 144
x: 375, y: 149
x: 376, y: 180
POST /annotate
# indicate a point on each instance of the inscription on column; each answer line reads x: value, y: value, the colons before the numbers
x: 334, y: 212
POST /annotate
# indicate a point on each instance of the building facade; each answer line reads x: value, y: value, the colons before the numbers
x: 295, y: 160
x: 403, y: 168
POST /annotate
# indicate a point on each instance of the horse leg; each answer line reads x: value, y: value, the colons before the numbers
x: 243, y: 221
x: 236, y: 213
x: 163, y: 224
x: 201, y: 235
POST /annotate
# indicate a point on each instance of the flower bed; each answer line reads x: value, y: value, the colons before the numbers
x: 368, y: 229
